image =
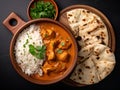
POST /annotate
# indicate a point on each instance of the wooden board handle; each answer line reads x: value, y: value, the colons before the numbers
x: 17, y: 19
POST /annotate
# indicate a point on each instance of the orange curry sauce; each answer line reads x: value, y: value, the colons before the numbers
x: 59, y: 51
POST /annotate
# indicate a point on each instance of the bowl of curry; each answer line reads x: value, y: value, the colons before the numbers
x: 42, y: 51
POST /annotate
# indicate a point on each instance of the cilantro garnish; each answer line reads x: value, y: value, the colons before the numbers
x: 38, y: 51
x: 42, y: 9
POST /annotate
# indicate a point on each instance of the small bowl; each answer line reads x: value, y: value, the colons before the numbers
x: 31, y: 5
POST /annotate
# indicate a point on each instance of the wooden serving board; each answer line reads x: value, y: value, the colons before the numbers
x: 63, y: 19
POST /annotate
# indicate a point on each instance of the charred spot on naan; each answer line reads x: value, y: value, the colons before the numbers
x: 84, y: 23
x: 108, y: 51
x: 90, y: 29
x: 95, y: 67
x: 95, y: 29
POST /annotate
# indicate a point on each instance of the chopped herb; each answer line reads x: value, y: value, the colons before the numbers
x: 38, y: 52
x: 59, y: 51
x: 19, y: 40
x: 42, y: 9
x: 46, y: 35
x: 27, y: 41
x: 29, y: 36
x: 24, y: 51
x: 33, y: 42
x: 62, y: 43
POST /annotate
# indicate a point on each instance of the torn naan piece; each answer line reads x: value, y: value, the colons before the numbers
x: 104, y: 60
x: 98, y: 65
x: 85, y: 73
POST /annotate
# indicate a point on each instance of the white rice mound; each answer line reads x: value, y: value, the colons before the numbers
x: 28, y: 63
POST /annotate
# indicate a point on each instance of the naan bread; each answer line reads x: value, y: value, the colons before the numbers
x: 95, y: 59
x: 88, y: 26
x: 84, y: 53
x: 85, y: 73
x: 98, y: 65
x: 104, y: 60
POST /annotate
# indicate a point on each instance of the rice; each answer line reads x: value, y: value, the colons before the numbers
x: 28, y: 63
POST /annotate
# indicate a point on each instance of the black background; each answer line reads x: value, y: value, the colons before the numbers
x: 8, y: 76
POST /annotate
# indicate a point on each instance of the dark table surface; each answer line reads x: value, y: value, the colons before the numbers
x: 8, y: 76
